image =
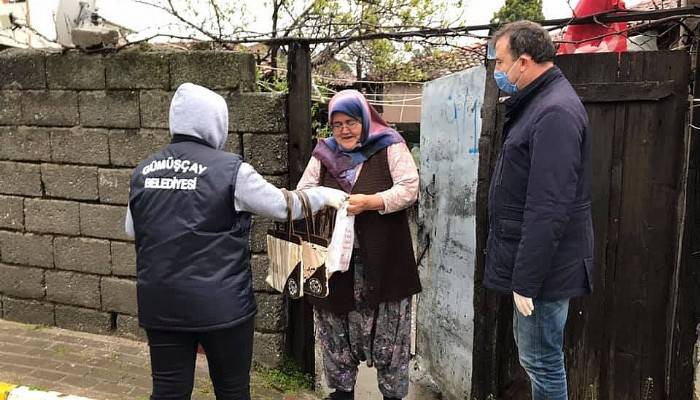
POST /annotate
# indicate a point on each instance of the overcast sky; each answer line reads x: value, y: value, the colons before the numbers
x: 144, y: 18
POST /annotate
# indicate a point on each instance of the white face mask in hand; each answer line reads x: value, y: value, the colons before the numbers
x: 341, y: 246
x: 523, y: 304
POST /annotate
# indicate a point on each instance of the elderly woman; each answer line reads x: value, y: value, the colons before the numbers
x: 367, y: 315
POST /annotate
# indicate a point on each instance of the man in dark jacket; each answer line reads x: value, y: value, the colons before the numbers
x: 540, y: 245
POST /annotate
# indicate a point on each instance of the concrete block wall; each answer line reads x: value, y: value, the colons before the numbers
x: 72, y: 127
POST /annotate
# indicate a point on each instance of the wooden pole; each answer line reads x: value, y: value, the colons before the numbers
x: 299, y: 109
x: 300, y: 331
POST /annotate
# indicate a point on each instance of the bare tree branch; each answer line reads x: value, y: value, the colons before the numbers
x: 156, y: 36
x: 329, y: 36
x: 172, y: 11
x: 465, y: 31
x: 299, y: 21
x: 217, y: 13
x: 31, y: 30
x: 330, y: 52
x: 276, y: 4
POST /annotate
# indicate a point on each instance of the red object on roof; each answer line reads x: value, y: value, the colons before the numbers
x: 577, y: 33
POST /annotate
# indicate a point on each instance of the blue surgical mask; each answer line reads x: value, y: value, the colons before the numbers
x: 503, y: 82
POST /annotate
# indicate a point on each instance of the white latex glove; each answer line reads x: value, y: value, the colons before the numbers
x: 523, y: 304
x: 320, y: 196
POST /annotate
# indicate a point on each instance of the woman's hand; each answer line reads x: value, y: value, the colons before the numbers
x: 359, y: 203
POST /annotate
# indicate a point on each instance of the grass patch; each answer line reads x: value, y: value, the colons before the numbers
x: 36, y: 388
x: 288, y: 379
x: 60, y: 350
x: 31, y: 327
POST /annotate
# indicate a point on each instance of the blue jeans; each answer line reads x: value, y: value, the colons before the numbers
x: 540, y: 341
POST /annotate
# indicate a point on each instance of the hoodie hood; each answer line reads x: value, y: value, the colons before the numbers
x: 197, y: 111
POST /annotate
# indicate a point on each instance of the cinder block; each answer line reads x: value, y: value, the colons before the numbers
x: 25, y: 144
x: 213, y: 69
x: 155, y: 108
x: 272, y: 313
x: 123, y: 259
x: 138, y: 70
x: 70, y: 181
x: 258, y: 234
x: 269, y: 349
x: 11, y: 213
x: 83, y: 319
x: 75, y: 70
x: 28, y: 311
x: 110, y: 109
x: 128, y: 326
x: 280, y: 181
x: 233, y: 144
x: 73, y: 288
x: 119, y: 295
x: 22, y: 282
x: 91, y: 36
x: 20, y: 179
x: 80, y: 146
x: 10, y: 107
x: 26, y: 249
x: 114, y: 186
x: 22, y: 69
x: 259, y: 265
x: 83, y: 255
x: 52, y: 216
x: 130, y: 147
x: 103, y: 221
x: 268, y: 154
x: 257, y: 112
x: 50, y: 108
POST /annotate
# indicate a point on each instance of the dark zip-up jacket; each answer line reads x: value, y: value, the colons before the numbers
x: 540, y: 242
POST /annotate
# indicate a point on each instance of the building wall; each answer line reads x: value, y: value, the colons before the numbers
x: 72, y: 128
x: 450, y: 129
x: 405, y: 103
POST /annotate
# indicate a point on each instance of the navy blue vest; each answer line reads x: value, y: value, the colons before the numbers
x: 192, y: 254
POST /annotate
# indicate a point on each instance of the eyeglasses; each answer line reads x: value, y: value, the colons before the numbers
x: 338, y: 126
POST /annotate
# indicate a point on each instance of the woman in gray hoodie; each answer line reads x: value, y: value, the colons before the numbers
x: 190, y: 206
